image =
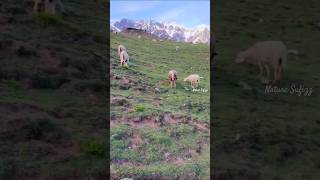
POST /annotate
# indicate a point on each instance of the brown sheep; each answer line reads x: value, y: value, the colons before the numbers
x: 172, y: 76
x: 124, y: 58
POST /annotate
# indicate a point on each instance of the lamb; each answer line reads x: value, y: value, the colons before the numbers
x: 177, y: 48
x: 266, y: 54
x: 194, y: 79
x: 124, y: 58
x: 123, y: 55
x: 121, y: 48
x: 172, y: 76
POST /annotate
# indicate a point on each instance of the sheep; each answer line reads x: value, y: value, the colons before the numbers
x: 121, y: 48
x: 194, y: 79
x: 177, y: 48
x: 266, y: 54
x: 154, y: 40
x: 124, y: 58
x: 48, y: 6
x: 172, y: 76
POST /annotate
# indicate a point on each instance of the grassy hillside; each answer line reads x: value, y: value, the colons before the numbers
x: 258, y: 135
x: 52, y: 91
x: 156, y: 131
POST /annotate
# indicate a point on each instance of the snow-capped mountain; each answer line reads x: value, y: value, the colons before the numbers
x: 166, y: 30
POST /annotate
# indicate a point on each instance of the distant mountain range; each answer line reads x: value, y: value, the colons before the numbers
x: 166, y: 30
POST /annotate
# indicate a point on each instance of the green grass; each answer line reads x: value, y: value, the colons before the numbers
x: 258, y: 135
x: 149, y: 65
x: 52, y: 108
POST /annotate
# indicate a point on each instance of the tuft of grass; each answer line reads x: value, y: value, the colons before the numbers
x: 48, y: 19
x: 94, y: 147
x: 139, y: 108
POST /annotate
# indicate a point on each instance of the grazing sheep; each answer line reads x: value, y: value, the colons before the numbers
x: 177, y: 48
x: 172, y: 76
x: 154, y: 40
x: 194, y: 79
x: 124, y: 58
x: 267, y: 54
x: 48, y: 6
x: 121, y: 48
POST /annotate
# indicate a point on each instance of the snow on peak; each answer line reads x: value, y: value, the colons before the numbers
x: 167, y: 30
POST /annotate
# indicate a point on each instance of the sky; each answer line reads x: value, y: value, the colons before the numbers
x: 188, y: 13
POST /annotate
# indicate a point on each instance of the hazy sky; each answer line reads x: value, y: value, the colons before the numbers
x: 188, y: 13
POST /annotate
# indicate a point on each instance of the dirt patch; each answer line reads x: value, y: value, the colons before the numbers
x: 48, y: 59
x: 6, y: 108
x: 155, y: 121
x: 135, y: 141
x: 119, y: 101
x: 64, y: 151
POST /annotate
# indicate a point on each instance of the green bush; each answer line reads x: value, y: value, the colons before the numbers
x: 94, y: 147
x: 48, y: 18
x: 43, y: 129
x: 11, y: 84
x: 139, y: 108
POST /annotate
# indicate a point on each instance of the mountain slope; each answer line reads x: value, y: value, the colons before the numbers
x: 52, y: 91
x: 158, y: 132
x: 262, y: 135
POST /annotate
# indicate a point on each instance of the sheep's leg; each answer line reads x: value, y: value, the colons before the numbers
x: 260, y: 70
x: 275, y: 75
x: 267, y: 70
x: 279, y: 73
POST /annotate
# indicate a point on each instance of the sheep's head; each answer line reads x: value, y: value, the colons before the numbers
x: 240, y: 57
x: 125, y: 63
x: 185, y: 79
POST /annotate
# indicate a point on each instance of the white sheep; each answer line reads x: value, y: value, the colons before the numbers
x: 121, y: 48
x: 172, y: 76
x: 267, y: 54
x: 194, y: 79
x: 177, y: 48
x: 124, y: 58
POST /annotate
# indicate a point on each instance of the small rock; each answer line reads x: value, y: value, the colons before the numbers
x: 293, y: 51
x: 116, y: 77
x: 260, y: 20
x: 244, y: 85
x: 238, y: 136
x: 22, y: 51
x: 157, y: 90
x: 114, y: 136
x: 124, y: 86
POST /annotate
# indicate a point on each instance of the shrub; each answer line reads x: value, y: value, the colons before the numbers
x: 11, y: 84
x: 94, y: 147
x: 42, y: 129
x: 139, y: 108
x: 48, y: 18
